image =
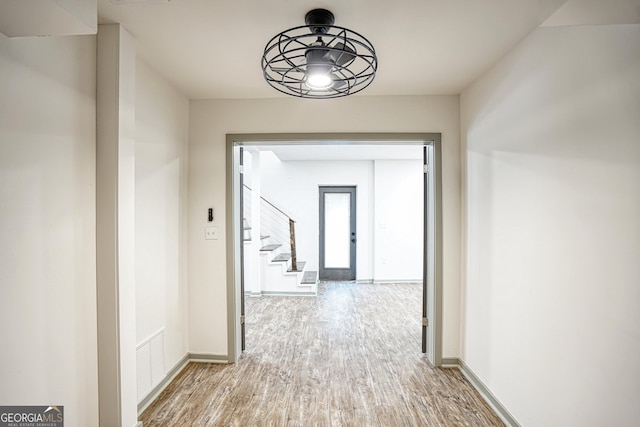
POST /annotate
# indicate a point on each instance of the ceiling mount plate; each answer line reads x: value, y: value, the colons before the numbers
x: 319, y: 20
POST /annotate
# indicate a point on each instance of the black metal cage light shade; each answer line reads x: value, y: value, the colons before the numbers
x: 319, y: 60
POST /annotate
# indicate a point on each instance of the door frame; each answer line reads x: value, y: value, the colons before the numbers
x: 338, y: 272
x: 233, y: 227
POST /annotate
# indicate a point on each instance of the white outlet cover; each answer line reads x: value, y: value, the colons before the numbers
x: 211, y: 233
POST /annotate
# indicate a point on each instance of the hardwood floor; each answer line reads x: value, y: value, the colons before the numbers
x: 349, y: 357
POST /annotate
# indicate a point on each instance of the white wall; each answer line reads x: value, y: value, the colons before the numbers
x: 389, y: 210
x: 552, y: 314
x: 399, y: 207
x: 47, y: 225
x: 211, y: 120
x: 293, y: 185
x: 115, y: 225
x: 162, y: 126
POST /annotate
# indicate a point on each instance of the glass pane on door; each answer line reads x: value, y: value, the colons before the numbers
x: 337, y: 220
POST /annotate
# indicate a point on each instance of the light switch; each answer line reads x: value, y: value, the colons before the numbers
x: 211, y: 233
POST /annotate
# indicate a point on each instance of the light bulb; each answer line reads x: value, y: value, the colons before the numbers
x: 319, y: 81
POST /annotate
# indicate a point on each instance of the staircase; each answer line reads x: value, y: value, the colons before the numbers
x: 275, y: 270
x: 278, y: 276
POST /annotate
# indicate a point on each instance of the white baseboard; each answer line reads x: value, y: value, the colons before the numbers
x: 386, y: 282
x: 288, y: 294
x: 450, y: 362
x: 447, y: 362
x: 281, y: 294
x: 173, y: 372
x: 155, y: 392
x: 481, y: 388
x: 208, y: 358
x: 399, y: 281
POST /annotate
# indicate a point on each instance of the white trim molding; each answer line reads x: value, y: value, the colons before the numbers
x: 159, y: 388
x: 259, y: 294
x: 174, y: 372
x: 492, y: 401
x: 450, y: 362
x: 447, y: 363
x: 208, y: 358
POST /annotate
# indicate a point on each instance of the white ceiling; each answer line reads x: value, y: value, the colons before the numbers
x: 212, y: 48
x: 345, y: 151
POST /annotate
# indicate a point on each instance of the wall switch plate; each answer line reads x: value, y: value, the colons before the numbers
x: 211, y: 233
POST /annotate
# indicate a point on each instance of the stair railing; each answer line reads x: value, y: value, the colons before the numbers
x: 292, y: 242
x: 276, y: 222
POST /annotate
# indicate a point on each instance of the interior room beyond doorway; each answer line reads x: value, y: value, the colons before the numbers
x: 344, y: 147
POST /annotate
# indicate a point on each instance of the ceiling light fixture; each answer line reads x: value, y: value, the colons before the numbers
x: 319, y: 60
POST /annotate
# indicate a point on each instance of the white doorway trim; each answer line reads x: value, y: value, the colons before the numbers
x: 234, y: 226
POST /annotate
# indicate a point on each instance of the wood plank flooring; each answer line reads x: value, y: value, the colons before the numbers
x: 348, y: 357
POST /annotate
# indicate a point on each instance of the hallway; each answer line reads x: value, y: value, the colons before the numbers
x: 349, y: 357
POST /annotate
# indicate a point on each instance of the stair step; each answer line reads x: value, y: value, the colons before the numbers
x: 269, y: 248
x: 299, y: 269
x: 283, y: 257
x: 309, y: 278
x: 262, y: 237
